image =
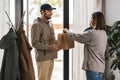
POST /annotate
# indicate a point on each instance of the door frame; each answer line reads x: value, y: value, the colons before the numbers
x: 18, y: 15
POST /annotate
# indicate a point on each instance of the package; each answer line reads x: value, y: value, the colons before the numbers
x: 65, y: 41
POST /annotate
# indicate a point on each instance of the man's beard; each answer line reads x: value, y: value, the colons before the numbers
x: 47, y: 17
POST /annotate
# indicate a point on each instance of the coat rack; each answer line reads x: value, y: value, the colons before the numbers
x: 19, y: 23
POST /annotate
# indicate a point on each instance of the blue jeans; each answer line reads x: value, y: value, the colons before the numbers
x: 91, y: 75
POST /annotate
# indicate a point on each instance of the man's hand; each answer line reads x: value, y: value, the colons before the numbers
x: 55, y: 47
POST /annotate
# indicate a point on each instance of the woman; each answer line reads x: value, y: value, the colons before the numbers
x: 94, y: 41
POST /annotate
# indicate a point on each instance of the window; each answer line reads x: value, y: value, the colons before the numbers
x: 32, y: 7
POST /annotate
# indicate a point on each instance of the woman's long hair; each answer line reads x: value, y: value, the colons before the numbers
x: 99, y: 20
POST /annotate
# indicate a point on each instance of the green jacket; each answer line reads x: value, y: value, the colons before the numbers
x: 10, y: 63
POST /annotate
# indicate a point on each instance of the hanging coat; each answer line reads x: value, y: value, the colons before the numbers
x: 10, y: 63
x: 26, y: 65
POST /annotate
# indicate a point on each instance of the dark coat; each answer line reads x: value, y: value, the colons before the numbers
x: 10, y: 63
x: 26, y: 65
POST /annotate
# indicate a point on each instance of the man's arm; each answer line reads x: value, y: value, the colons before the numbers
x: 36, y: 33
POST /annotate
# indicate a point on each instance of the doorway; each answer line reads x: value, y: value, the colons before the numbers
x: 63, y: 64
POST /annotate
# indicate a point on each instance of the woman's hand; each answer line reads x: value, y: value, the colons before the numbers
x: 66, y: 31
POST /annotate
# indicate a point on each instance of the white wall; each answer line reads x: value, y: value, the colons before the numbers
x: 4, y: 6
x: 112, y: 10
x: 112, y: 14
